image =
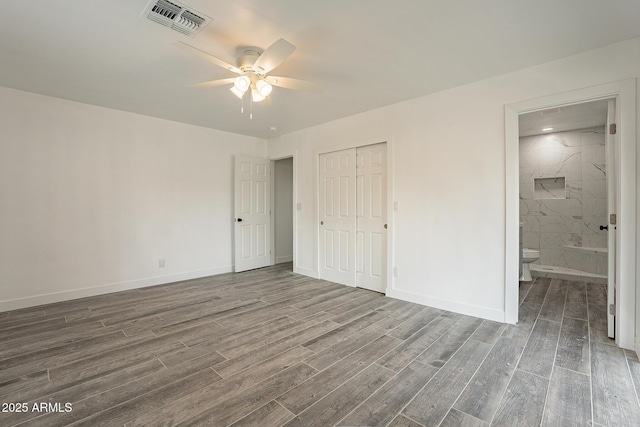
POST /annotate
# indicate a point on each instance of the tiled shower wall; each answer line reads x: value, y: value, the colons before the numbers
x: 571, y: 217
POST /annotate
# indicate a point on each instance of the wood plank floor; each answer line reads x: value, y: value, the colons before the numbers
x: 271, y: 348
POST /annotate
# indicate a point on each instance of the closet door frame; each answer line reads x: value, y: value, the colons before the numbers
x: 391, y: 203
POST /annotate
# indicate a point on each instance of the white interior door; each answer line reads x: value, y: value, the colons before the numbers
x: 610, y: 165
x: 337, y: 204
x: 252, y: 213
x: 371, y: 217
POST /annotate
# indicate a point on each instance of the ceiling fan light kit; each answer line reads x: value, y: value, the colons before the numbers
x: 253, y: 67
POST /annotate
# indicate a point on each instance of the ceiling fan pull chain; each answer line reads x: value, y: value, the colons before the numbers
x: 242, y: 105
x: 251, y: 112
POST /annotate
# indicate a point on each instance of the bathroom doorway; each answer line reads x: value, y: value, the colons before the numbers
x: 567, y: 196
x: 623, y: 270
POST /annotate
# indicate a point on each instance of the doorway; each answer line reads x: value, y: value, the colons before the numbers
x: 624, y: 271
x: 567, y: 195
x: 282, y: 211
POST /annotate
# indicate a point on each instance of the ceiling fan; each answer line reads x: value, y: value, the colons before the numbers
x: 252, y: 67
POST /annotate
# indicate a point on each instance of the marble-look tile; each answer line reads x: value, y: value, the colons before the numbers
x: 564, y: 207
x: 531, y: 223
x: 602, y: 264
x: 531, y: 240
x: 549, y: 188
x: 594, y: 171
x: 529, y: 207
x: 558, y: 140
x: 571, y: 171
x: 528, y: 173
x: 560, y: 155
x: 591, y: 240
x: 591, y: 224
x: 594, y: 207
x: 594, y: 153
x: 529, y: 159
x: 556, y: 257
x: 594, y: 188
x: 560, y: 224
x: 529, y: 144
x: 592, y: 136
x: 559, y: 240
x: 581, y: 260
x: 574, y: 189
x: 526, y: 191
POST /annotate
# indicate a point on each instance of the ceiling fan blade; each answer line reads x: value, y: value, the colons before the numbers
x: 212, y: 83
x: 275, y: 55
x: 208, y: 57
x: 295, y: 84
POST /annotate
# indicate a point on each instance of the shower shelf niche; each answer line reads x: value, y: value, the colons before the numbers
x: 549, y: 188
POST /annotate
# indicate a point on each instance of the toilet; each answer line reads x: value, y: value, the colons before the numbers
x: 528, y: 256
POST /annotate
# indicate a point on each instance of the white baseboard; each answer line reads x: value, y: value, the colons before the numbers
x: 305, y: 271
x: 281, y: 259
x: 456, y: 307
x: 36, y: 300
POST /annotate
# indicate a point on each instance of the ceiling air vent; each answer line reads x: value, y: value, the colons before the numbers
x: 176, y: 16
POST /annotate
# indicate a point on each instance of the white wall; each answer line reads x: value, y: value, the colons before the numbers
x: 92, y: 198
x: 283, y: 210
x: 448, y: 174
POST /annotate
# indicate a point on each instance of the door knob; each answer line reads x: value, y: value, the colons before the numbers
x: 604, y: 227
x: 385, y: 226
x: 239, y: 220
x: 321, y: 222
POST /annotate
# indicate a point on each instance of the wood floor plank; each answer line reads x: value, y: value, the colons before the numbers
x: 523, y: 402
x: 346, y: 330
x: 403, y: 354
x: 553, y: 306
x: 270, y: 415
x: 226, y: 390
x: 540, y: 351
x: 576, y: 303
x: 456, y: 418
x: 386, y: 403
x: 122, y: 393
x: 483, y: 395
x: 573, y: 346
x: 527, y: 315
x: 336, y: 405
x: 230, y: 411
x: 338, y: 351
x: 598, y: 324
x: 596, y: 294
x: 155, y: 356
x: 415, y: 323
x: 614, y: 397
x: 230, y: 367
x: 431, y: 405
x: 441, y: 351
x: 402, y: 421
x: 538, y: 290
x: 489, y: 332
x: 569, y: 400
x: 300, y: 398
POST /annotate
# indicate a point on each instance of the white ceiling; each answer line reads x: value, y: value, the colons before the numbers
x: 366, y: 53
x: 578, y: 116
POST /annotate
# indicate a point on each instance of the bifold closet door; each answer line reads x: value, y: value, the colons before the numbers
x: 371, y: 217
x: 337, y: 206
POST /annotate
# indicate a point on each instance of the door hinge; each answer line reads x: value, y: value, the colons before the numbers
x: 613, y: 129
x: 612, y: 309
x: 612, y: 219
